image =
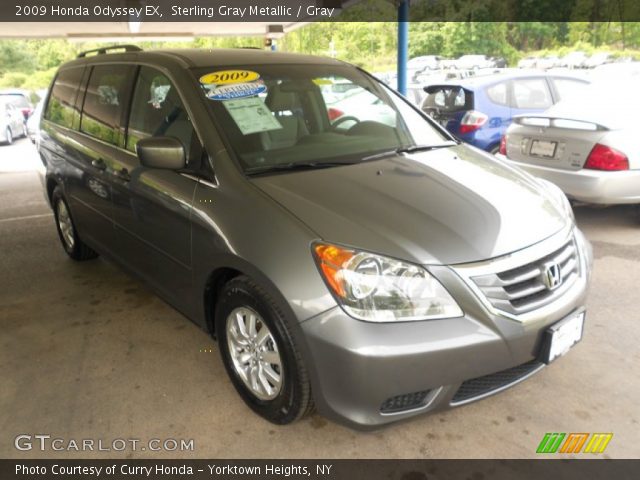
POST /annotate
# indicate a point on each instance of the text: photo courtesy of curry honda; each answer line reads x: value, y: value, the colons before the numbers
x: 374, y: 269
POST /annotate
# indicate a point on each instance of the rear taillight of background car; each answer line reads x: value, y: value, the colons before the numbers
x: 606, y: 158
x: 503, y: 145
x: 334, y: 113
x: 472, y: 121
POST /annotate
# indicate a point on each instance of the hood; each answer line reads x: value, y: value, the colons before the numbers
x: 446, y: 206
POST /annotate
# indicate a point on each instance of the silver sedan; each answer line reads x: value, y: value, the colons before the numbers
x: 11, y: 123
x: 588, y: 144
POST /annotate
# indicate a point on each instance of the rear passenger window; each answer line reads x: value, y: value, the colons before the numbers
x: 107, y: 95
x: 567, y: 87
x: 157, y: 111
x: 498, y: 93
x: 532, y: 93
x: 61, y: 105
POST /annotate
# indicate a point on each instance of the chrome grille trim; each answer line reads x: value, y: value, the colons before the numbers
x: 511, y: 285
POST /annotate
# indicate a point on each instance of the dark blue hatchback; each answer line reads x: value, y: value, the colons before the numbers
x: 478, y: 110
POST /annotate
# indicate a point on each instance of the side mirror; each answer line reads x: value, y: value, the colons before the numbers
x: 161, y: 152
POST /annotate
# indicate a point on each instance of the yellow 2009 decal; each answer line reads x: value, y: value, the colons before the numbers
x: 224, y: 77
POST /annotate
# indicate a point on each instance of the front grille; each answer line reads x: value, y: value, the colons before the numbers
x: 401, y: 403
x: 482, y: 386
x: 522, y: 289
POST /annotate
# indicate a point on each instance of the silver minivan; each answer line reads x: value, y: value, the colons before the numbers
x: 348, y: 256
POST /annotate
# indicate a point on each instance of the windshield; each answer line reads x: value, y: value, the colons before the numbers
x: 279, y: 115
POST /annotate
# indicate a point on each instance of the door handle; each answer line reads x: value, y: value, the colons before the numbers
x: 99, y: 164
x: 123, y: 174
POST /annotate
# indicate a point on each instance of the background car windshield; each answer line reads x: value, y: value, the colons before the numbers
x: 17, y: 100
x: 613, y: 103
x: 287, y: 114
x: 448, y: 99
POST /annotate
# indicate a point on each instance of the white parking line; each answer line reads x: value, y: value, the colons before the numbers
x: 27, y: 217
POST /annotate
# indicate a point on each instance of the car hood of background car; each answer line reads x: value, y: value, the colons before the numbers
x: 446, y: 206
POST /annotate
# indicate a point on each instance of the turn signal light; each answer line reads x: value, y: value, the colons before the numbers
x: 606, y: 158
x: 331, y: 261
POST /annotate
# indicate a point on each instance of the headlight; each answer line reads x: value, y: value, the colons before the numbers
x: 380, y: 289
x: 559, y: 198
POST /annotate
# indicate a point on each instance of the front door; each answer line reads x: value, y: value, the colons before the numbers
x: 152, y: 207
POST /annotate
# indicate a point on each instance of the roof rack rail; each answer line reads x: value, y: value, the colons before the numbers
x: 104, y: 50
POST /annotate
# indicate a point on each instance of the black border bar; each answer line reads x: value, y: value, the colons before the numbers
x: 287, y: 11
x: 545, y: 468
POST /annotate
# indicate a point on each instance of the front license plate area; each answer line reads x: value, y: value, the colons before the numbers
x: 561, y: 336
x: 543, y: 148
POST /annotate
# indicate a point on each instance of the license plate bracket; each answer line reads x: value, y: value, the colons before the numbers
x: 560, y: 337
x: 543, y: 148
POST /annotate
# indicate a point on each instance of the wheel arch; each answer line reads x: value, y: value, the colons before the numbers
x: 51, y: 184
x: 213, y: 285
x: 225, y: 268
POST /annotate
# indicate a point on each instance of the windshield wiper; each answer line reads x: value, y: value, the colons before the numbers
x: 424, y: 148
x: 407, y: 149
x: 293, y: 166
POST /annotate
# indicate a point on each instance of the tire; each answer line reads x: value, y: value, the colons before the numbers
x: 495, y: 150
x: 25, y: 131
x: 9, y: 137
x: 67, y: 232
x: 239, y: 299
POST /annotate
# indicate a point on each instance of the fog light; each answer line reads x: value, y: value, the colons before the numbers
x: 400, y: 403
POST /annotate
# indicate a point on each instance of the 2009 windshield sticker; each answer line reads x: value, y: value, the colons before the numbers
x: 236, y: 90
x: 225, y: 77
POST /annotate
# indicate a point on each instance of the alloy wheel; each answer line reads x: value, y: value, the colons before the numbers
x: 254, y: 353
x: 65, y: 225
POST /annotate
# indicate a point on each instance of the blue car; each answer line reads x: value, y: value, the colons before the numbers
x: 478, y: 110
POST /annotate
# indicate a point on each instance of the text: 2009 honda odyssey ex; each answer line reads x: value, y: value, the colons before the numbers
x: 345, y: 250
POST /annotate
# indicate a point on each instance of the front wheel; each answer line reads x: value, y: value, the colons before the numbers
x: 8, y: 137
x: 260, y: 353
x: 67, y: 232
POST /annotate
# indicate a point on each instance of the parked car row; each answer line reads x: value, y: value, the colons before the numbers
x: 577, y: 59
x: 479, y: 109
x: 427, y: 64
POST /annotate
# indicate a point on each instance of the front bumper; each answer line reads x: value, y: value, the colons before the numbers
x: 591, y: 186
x: 360, y: 369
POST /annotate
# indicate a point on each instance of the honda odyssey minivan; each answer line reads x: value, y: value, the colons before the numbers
x: 373, y: 269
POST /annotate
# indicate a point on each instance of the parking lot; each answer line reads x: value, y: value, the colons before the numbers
x: 86, y: 348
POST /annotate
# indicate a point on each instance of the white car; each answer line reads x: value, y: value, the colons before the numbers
x: 473, y: 62
x: 598, y: 59
x: 11, y: 123
x: 358, y: 106
x: 548, y: 62
x: 528, y: 62
x: 587, y: 144
x: 33, y: 123
x: 574, y: 60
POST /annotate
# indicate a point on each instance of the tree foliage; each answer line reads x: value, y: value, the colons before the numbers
x: 32, y: 63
